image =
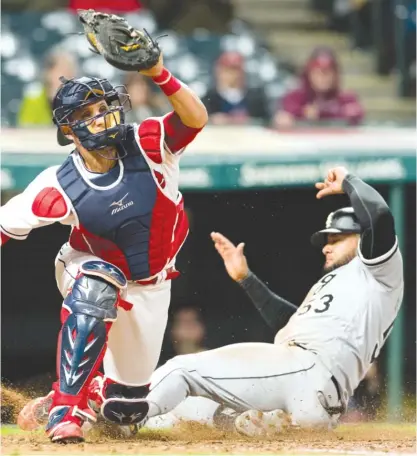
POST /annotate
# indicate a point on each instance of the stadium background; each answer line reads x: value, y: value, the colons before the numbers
x: 275, y: 218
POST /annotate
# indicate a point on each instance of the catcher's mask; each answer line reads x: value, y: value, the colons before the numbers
x: 342, y: 221
x: 79, y: 92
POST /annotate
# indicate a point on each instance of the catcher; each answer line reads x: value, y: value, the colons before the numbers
x: 118, y: 190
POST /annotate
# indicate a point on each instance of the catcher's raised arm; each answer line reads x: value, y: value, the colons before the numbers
x: 134, y: 50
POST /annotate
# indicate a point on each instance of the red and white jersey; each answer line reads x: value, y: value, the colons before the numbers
x: 43, y: 202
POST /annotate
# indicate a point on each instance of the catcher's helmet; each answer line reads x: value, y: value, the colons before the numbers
x: 79, y: 92
x: 343, y: 220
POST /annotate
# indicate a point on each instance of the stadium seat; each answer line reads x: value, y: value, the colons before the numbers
x: 27, y: 37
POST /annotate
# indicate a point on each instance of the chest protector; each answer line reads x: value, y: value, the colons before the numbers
x: 124, y: 217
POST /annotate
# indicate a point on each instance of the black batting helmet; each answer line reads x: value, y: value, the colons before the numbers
x: 343, y: 220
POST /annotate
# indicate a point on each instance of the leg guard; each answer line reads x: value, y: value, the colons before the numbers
x: 87, y: 315
x: 117, y: 403
x: 92, y: 307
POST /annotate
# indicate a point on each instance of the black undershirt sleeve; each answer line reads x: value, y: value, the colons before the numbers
x: 275, y: 310
x: 374, y: 215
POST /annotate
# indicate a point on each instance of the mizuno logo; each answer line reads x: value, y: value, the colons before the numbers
x: 120, y: 205
x: 120, y: 202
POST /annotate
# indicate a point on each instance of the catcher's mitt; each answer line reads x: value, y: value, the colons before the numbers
x: 120, y: 44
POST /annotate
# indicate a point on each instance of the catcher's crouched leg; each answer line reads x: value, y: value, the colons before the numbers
x: 87, y: 314
x: 117, y: 403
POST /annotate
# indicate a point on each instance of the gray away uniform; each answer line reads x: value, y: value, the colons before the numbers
x: 327, y: 345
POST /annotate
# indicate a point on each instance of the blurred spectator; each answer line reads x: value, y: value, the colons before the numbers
x: 185, y: 16
x: 365, y: 403
x: 119, y: 6
x: 145, y: 103
x: 231, y: 101
x: 319, y: 97
x: 35, y: 109
x: 187, y: 332
x: 33, y: 5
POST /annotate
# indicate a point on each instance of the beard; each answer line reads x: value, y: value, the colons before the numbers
x: 342, y: 262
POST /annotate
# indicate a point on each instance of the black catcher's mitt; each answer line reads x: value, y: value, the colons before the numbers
x: 120, y: 44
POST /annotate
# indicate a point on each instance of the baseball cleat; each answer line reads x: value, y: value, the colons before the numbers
x: 254, y: 423
x: 65, y: 423
x: 35, y: 413
x: 67, y: 432
x: 96, y: 391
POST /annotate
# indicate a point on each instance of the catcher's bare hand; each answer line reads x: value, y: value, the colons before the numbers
x: 332, y: 184
x: 233, y: 257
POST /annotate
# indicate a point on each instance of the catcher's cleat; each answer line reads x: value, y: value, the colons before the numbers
x: 65, y: 423
x: 67, y: 433
x: 96, y: 392
x: 35, y: 413
x: 262, y: 424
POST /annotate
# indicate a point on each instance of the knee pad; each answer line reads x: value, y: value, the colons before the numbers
x: 96, y: 290
x: 93, y: 296
x: 91, y: 308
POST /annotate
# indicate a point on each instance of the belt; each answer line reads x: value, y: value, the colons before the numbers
x: 166, y: 274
